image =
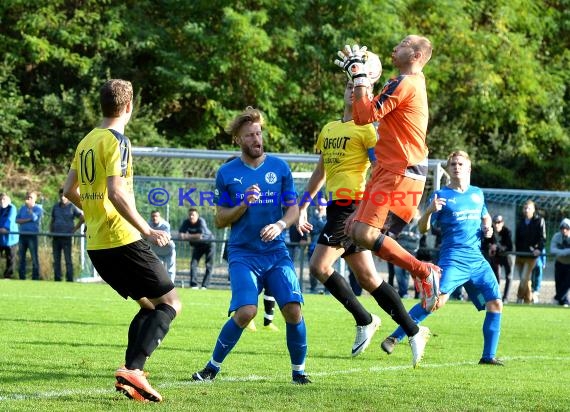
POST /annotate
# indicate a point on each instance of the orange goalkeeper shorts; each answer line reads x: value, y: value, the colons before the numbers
x: 390, y: 200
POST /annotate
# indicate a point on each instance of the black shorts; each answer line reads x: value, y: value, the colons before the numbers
x: 333, y: 233
x: 132, y: 270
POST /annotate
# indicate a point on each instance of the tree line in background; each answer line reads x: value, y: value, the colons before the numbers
x: 498, y: 81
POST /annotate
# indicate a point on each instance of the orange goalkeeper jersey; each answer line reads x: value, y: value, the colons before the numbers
x: 401, y: 110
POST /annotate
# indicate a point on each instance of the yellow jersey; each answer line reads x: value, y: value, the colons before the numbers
x: 103, y: 153
x: 346, y: 149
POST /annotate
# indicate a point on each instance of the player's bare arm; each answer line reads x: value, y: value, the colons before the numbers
x: 225, y: 216
x: 124, y: 203
x: 71, y: 188
x: 316, y: 181
x: 271, y: 231
x: 424, y: 223
x: 487, y: 225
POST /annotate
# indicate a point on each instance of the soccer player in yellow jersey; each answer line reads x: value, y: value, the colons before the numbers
x: 100, y: 182
x: 347, y: 151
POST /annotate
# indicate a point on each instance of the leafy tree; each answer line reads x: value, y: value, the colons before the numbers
x: 497, y: 81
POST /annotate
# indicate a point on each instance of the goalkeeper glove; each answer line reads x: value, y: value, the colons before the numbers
x: 354, y: 63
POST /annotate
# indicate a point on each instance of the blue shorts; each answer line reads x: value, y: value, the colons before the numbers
x: 475, y: 275
x: 274, y: 272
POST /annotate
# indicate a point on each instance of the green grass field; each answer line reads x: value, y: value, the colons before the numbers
x: 60, y: 344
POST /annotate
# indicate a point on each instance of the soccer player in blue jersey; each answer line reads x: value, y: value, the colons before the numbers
x: 459, y: 210
x: 251, y: 193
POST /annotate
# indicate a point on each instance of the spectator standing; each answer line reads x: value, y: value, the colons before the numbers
x: 560, y: 247
x: 196, y: 231
x: 8, y: 234
x: 63, y: 216
x: 425, y: 254
x: 318, y: 220
x: 536, y: 277
x: 297, y: 244
x: 530, y: 240
x: 167, y: 253
x: 296, y: 247
x: 353, y: 282
x: 29, y: 218
x: 496, y: 248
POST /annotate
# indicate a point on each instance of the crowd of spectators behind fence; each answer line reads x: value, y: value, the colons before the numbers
x: 524, y: 251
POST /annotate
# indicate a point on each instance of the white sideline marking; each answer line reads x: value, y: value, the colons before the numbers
x: 256, y: 378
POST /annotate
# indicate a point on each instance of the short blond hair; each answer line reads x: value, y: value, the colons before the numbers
x: 249, y: 115
x: 423, y: 45
x: 455, y: 153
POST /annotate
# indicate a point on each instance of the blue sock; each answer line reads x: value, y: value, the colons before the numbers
x: 227, y: 339
x: 418, y: 314
x: 297, y: 345
x: 491, y: 333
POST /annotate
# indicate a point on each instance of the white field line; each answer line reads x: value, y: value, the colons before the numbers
x: 254, y: 378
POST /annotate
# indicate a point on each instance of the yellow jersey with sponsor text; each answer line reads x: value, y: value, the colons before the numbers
x: 346, y: 149
x: 103, y: 153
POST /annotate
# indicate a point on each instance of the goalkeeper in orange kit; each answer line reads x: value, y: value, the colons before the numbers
x: 401, y: 110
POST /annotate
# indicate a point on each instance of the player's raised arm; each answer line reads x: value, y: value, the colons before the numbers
x: 424, y: 224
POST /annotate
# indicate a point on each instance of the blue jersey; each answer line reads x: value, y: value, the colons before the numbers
x: 460, y: 257
x: 275, y: 181
x: 460, y: 224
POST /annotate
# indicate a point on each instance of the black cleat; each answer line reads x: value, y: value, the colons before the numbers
x: 206, y: 374
x: 301, y: 379
x: 491, y: 361
x: 389, y: 344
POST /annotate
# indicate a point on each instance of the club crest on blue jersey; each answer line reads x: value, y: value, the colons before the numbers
x: 271, y: 178
x: 476, y: 198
